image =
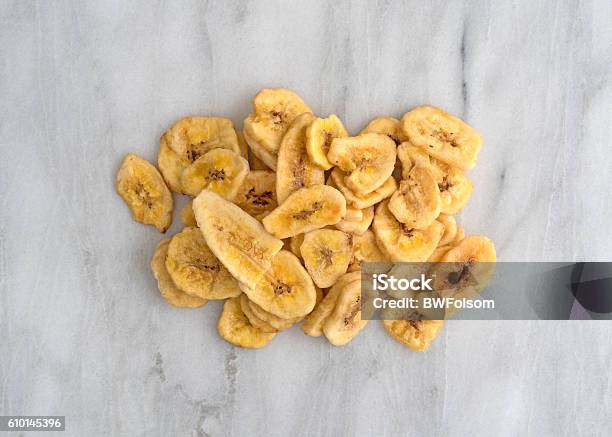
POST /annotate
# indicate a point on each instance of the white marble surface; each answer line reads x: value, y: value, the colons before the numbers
x: 86, y: 335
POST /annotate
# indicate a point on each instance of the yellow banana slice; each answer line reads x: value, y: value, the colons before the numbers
x: 313, y: 323
x: 275, y: 322
x: 195, y: 270
x: 345, y: 322
x: 412, y: 156
x: 450, y: 229
x: 365, y: 249
x: 187, y: 216
x: 260, y: 153
x: 257, y: 194
x: 253, y: 319
x: 401, y: 243
x: 238, y: 240
x: 144, y: 191
x: 319, y: 137
x: 326, y: 254
x: 362, y: 201
x: 369, y: 159
x: 416, y: 334
x: 192, y: 137
x: 305, y: 210
x: 273, y: 111
x: 387, y: 126
x: 285, y: 290
x: 295, y: 243
x: 219, y: 170
x: 171, y: 165
x: 474, y: 248
x: 444, y: 136
x: 293, y: 168
x: 417, y: 202
x: 353, y: 214
x: 359, y: 226
x: 167, y: 287
x: 235, y: 328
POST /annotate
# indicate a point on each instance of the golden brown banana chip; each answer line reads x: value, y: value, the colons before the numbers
x: 167, y: 287
x: 412, y: 156
x: 144, y: 191
x: 402, y: 243
x: 219, y: 170
x: 417, y: 202
x: 353, y: 214
x: 192, y: 137
x: 368, y: 159
x: 455, y: 187
x: 236, y: 329
x: 450, y: 229
x: 275, y: 322
x: 195, y: 270
x: 253, y: 319
x: 171, y: 165
x: 387, y: 126
x: 260, y: 153
x: 293, y: 168
x: 444, y: 136
x: 326, y: 254
x: 345, y: 322
x: 319, y: 136
x: 362, y: 201
x: 187, y: 216
x: 313, y: 323
x: 305, y: 210
x: 273, y: 111
x: 257, y: 194
x: 365, y: 249
x: 285, y: 290
x: 357, y: 227
x: 295, y: 243
x: 416, y: 334
x: 238, y: 240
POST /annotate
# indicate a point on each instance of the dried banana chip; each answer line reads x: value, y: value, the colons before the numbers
x: 187, y: 216
x: 171, y: 165
x: 295, y: 243
x: 450, y: 229
x: 313, y: 323
x: 412, y: 156
x: 305, y: 210
x: 387, y: 126
x: 459, y: 236
x: 345, y: 322
x: 219, y: 170
x: 455, y: 187
x: 326, y: 254
x: 236, y: 329
x: 319, y: 137
x: 353, y: 214
x: 285, y: 290
x: 402, y: 243
x: 238, y: 240
x: 293, y: 169
x: 260, y: 153
x: 438, y: 253
x: 369, y: 159
x: 444, y: 136
x: 192, y: 137
x: 144, y: 191
x: 365, y: 249
x: 357, y: 227
x: 417, y: 202
x: 273, y: 111
x: 416, y: 334
x: 195, y: 270
x: 357, y: 200
x: 257, y: 194
x: 167, y: 287
x: 275, y: 322
x: 253, y: 319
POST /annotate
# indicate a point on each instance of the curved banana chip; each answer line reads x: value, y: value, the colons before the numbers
x: 326, y: 254
x: 450, y: 229
x: 313, y: 323
x: 273, y: 111
x: 192, y: 137
x: 365, y: 249
x: 353, y: 214
x: 171, y: 165
x: 195, y: 270
x: 359, y: 226
x: 293, y: 169
x: 444, y: 136
x: 236, y: 329
x: 319, y: 138
x: 345, y: 322
x: 219, y: 170
x: 305, y: 210
x: 260, y: 153
x: 369, y: 159
x: 253, y: 319
x: 295, y: 243
x: 187, y: 216
x: 238, y: 240
x: 438, y: 253
x: 416, y: 334
x: 285, y: 290
x: 144, y: 191
x: 459, y: 236
x: 412, y: 156
x: 417, y: 202
x: 362, y: 201
x: 257, y: 194
x: 401, y: 243
x: 275, y: 322
x: 388, y: 126
x: 167, y: 287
